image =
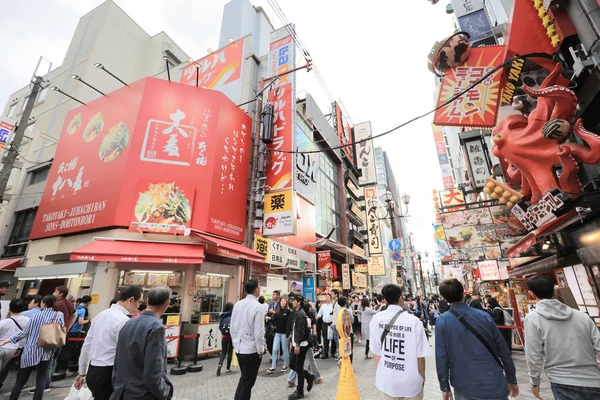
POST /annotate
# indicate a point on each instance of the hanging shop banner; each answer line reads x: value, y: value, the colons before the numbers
x: 358, y: 249
x: 162, y: 207
x: 477, y: 25
x: 540, y: 213
x: 279, y: 214
x: 361, y: 268
x: 356, y: 192
x: 442, y: 243
x: 346, y: 282
x: 283, y: 255
x: 282, y: 95
x: 464, y: 7
x: 324, y: 264
x: 372, y: 221
x: 6, y: 128
x: 488, y: 270
x: 365, y: 154
x: 452, y: 197
x: 358, y: 280
x: 306, y: 167
x: 477, y: 158
x: 479, y: 106
x: 111, y: 144
x: 376, y: 266
x: 344, y: 132
x: 221, y: 70
x: 308, y: 288
x: 443, y: 159
x: 261, y: 245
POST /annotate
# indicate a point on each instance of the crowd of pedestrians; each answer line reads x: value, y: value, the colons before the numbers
x: 124, y: 353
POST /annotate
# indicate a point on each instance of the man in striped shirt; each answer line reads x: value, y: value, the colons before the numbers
x: 100, y: 346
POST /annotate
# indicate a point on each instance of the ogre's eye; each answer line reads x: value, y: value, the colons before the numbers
x: 498, y: 136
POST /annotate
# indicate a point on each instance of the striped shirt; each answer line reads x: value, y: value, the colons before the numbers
x: 32, y: 353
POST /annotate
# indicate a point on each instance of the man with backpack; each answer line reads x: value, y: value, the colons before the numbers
x: 470, y: 353
x: 502, y: 318
x: 226, y: 344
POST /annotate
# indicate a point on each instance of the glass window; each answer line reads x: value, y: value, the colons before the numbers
x: 24, y: 103
x: 30, y: 127
x: 42, y: 94
x: 11, y: 110
x: 19, y: 237
x: 38, y: 175
x: 327, y: 198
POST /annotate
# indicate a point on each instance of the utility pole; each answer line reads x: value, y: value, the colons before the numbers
x: 9, y: 159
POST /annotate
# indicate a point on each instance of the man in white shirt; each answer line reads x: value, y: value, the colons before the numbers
x: 248, y: 337
x: 400, y: 359
x: 98, y: 351
x: 326, y: 315
x: 13, y: 324
x: 336, y: 310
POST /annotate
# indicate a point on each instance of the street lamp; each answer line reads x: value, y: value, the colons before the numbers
x: 56, y: 89
x: 78, y: 78
x: 103, y: 68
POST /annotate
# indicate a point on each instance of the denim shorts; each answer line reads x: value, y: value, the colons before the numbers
x: 566, y: 392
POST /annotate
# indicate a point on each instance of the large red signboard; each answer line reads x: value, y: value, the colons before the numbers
x: 176, y: 139
x: 344, y: 132
x: 479, y: 106
x: 220, y: 70
x: 282, y: 56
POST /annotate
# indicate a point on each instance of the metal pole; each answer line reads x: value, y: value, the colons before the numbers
x: 253, y: 168
x: 9, y: 159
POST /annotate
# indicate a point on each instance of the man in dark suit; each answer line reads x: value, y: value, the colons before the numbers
x: 140, y: 369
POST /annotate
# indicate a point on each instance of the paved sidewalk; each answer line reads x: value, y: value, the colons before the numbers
x: 206, y: 385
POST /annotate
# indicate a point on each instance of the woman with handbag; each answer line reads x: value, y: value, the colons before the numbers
x: 44, y: 333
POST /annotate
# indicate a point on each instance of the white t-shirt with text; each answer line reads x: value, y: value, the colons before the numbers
x: 398, y: 373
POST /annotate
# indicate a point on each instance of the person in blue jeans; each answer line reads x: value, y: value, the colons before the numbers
x: 564, y: 343
x: 462, y: 360
x: 281, y: 320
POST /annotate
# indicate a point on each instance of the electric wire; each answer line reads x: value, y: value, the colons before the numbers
x: 418, y: 117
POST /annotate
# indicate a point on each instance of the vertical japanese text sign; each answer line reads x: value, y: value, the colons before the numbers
x: 372, y: 220
x: 282, y: 58
x: 365, y: 154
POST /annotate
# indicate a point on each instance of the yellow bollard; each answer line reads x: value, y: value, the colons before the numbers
x: 347, y: 388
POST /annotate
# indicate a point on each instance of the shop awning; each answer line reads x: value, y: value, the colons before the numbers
x: 56, y: 271
x: 551, y: 227
x: 330, y: 244
x: 544, y: 265
x: 228, y: 248
x: 10, y: 264
x: 140, y: 252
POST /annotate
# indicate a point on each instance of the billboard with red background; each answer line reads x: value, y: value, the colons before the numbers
x: 282, y: 58
x: 479, y: 106
x: 151, y: 131
x: 220, y: 70
x: 344, y: 132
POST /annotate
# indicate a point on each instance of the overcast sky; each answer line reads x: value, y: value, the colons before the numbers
x: 372, y: 56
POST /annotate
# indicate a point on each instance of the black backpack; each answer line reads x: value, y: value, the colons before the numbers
x: 226, y: 326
